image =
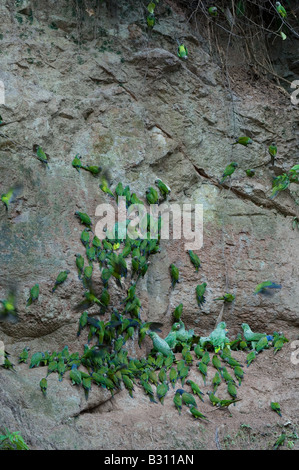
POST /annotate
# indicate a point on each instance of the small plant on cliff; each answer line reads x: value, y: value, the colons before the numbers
x: 12, y: 441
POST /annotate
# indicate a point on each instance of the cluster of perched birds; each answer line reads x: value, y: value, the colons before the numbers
x: 105, y: 358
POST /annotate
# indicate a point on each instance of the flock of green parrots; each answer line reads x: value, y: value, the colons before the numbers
x: 105, y: 358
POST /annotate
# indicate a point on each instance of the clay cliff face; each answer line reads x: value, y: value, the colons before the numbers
x: 122, y: 99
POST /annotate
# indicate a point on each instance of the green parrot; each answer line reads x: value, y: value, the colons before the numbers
x: 128, y: 383
x: 104, y: 186
x: 249, y: 335
x: 23, y: 357
x: 41, y: 155
x: 194, y: 259
x: 263, y: 286
x: 232, y: 362
x: 44, y: 385
x: 61, y: 368
x: 91, y: 253
x: 281, y: 10
x: 86, y: 384
x: 148, y: 326
x: 244, y: 140
x: 183, y: 374
x: 76, y: 163
x: 262, y: 344
x: 250, y: 173
x: 96, y: 243
x: 164, y: 189
x: 119, y: 190
x: 227, y: 297
x: 61, y: 278
x: 9, y: 310
x: 34, y: 293
x: 36, y: 359
x: 200, y: 291
x: 276, y: 407
x: 232, y: 390
x: 168, y: 361
x: 213, y: 11
x: 178, y: 312
x: 75, y: 375
x: 203, y: 370
x: 87, y: 274
x: 10, y: 196
x: 205, y: 358
x: 174, y: 273
x: 216, y: 381
x: 178, y: 401
x: 278, y: 344
x: 162, y: 374
x: 213, y: 399
x: 197, y: 414
x: 273, y: 152
x: 85, y: 236
x: 84, y: 218
x: 195, y: 388
x: 217, y: 363
x: 79, y: 264
x: 239, y: 373
x: 151, y: 20
x: 187, y: 398
x: 199, y: 351
x: 226, y: 375
x: 52, y: 367
x: 162, y: 390
x: 151, y: 6
x: 226, y: 403
x: 152, y: 196
x: 250, y: 357
x: 229, y: 170
x: 280, y: 183
x: 93, y: 169
x: 281, y: 438
x: 182, y: 51
x: 217, y: 338
x: 160, y: 344
x: 148, y: 390
x: 173, y: 376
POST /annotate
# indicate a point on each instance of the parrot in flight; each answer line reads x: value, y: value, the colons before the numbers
x: 227, y: 297
x: 9, y: 310
x: 263, y: 286
x: 10, y: 196
x: 229, y: 170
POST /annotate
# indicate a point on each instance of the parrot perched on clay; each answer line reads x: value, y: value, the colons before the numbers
x: 229, y: 170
